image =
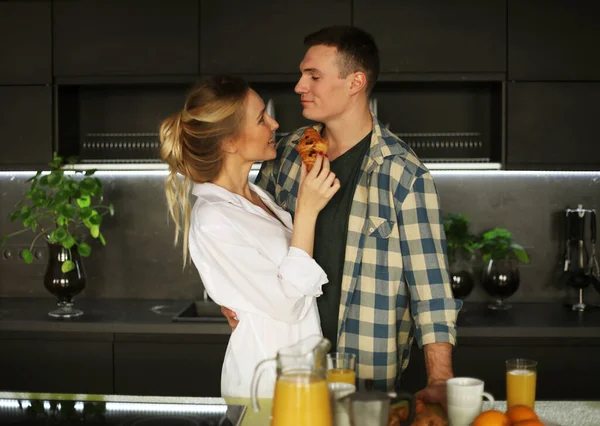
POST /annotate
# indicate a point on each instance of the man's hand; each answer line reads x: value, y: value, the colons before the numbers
x: 231, y: 316
x: 434, y: 393
x: 438, y: 362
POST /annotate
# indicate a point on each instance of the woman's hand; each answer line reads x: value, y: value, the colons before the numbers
x: 317, y: 187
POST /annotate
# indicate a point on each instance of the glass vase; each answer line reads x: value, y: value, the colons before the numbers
x: 64, y: 285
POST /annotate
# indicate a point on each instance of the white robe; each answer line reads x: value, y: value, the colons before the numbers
x: 244, y: 258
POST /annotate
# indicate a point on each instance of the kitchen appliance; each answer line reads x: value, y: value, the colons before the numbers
x: 580, y: 267
x: 116, y: 410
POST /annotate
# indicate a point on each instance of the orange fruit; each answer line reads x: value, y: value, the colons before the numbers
x: 492, y: 418
x: 530, y: 422
x: 519, y: 413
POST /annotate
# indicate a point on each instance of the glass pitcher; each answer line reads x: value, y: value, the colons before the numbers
x: 301, y: 397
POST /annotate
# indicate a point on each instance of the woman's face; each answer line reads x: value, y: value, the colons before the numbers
x: 256, y: 141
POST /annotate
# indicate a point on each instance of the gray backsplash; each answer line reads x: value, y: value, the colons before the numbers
x: 140, y: 260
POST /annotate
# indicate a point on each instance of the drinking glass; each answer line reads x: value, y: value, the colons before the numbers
x: 521, y: 375
x: 341, y: 368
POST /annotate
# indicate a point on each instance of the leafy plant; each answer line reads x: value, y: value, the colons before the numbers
x: 459, y: 238
x: 63, y: 208
x: 498, y: 244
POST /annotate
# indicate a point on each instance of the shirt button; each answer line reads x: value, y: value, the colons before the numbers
x: 371, y: 229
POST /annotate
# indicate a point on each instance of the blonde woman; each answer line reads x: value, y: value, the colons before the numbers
x: 248, y: 254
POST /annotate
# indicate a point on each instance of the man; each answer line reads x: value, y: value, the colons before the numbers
x: 380, y: 239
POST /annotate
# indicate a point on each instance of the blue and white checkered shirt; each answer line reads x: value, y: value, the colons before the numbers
x: 395, y: 283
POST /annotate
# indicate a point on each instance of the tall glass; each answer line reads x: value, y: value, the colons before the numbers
x: 341, y: 368
x: 521, y: 376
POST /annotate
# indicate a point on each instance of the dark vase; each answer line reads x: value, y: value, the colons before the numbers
x: 500, y: 279
x: 461, y: 278
x: 64, y: 285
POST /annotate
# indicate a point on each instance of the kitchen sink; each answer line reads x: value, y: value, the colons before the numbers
x: 200, y: 311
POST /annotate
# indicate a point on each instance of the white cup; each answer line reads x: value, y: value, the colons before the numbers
x: 465, y: 400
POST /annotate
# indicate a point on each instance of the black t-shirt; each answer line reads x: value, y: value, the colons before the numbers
x: 330, y: 235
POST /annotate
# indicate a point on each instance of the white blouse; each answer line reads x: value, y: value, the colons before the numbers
x: 244, y: 258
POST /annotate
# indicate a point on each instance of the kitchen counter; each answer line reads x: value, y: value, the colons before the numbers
x: 563, y: 413
x: 546, y: 320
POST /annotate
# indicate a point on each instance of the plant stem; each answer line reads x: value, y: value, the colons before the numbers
x: 36, y: 237
x: 18, y: 232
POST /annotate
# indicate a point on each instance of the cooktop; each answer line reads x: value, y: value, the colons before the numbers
x: 68, y: 412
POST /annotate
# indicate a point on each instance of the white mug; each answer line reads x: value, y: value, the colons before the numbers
x: 465, y: 400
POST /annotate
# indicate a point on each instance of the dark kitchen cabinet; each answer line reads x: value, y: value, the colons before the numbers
x: 567, y: 368
x: 262, y: 36
x: 25, y: 42
x: 553, y: 125
x: 436, y: 36
x: 169, y: 365
x: 553, y: 40
x: 125, y: 38
x: 26, y: 125
x: 56, y: 362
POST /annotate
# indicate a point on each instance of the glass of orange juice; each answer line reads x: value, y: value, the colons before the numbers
x: 341, y: 368
x: 521, y: 375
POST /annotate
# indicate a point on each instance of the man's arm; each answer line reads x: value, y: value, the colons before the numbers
x: 433, y: 307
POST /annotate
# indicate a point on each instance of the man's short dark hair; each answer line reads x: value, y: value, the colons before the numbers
x: 357, y: 49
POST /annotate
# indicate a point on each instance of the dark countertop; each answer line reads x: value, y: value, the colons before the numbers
x: 551, y: 320
x: 106, y: 316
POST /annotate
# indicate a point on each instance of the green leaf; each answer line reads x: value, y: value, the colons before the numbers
x: 14, y: 216
x: 69, y: 242
x: 90, y: 172
x: 62, y: 196
x: 62, y: 220
x: 84, y: 201
x: 87, y: 186
x: 27, y: 256
x: 25, y: 213
x: 34, y: 177
x: 4, y: 238
x: 44, y: 180
x: 95, y: 219
x: 85, y: 213
x: 59, y: 235
x: 67, y: 210
x: 95, y: 231
x: 67, y: 266
x: 84, y: 249
x: 520, y: 253
x: 54, y: 179
x: 102, y: 240
x: 111, y: 209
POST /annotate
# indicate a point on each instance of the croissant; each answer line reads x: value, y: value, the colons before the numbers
x: 310, y: 145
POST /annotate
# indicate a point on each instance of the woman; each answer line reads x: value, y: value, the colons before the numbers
x: 248, y: 254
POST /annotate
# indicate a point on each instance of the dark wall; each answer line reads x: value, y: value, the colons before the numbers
x: 140, y: 261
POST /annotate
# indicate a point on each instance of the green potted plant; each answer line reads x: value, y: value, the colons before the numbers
x: 500, y: 255
x: 64, y: 209
x: 460, y: 243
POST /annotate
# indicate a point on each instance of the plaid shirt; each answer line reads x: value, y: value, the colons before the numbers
x: 395, y: 282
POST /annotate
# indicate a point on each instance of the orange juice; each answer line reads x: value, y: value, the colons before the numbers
x: 343, y: 375
x: 301, y: 400
x: 520, y: 388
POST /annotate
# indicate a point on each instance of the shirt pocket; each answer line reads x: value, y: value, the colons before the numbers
x: 380, y: 227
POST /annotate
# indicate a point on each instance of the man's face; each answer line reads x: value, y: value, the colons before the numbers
x: 324, y: 95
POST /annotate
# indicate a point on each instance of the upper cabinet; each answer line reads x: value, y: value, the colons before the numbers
x: 25, y: 126
x: 25, y: 42
x: 553, y: 40
x: 262, y: 36
x: 553, y: 125
x: 437, y: 36
x: 125, y: 38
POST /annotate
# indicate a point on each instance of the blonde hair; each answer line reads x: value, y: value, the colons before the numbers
x: 191, y: 142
